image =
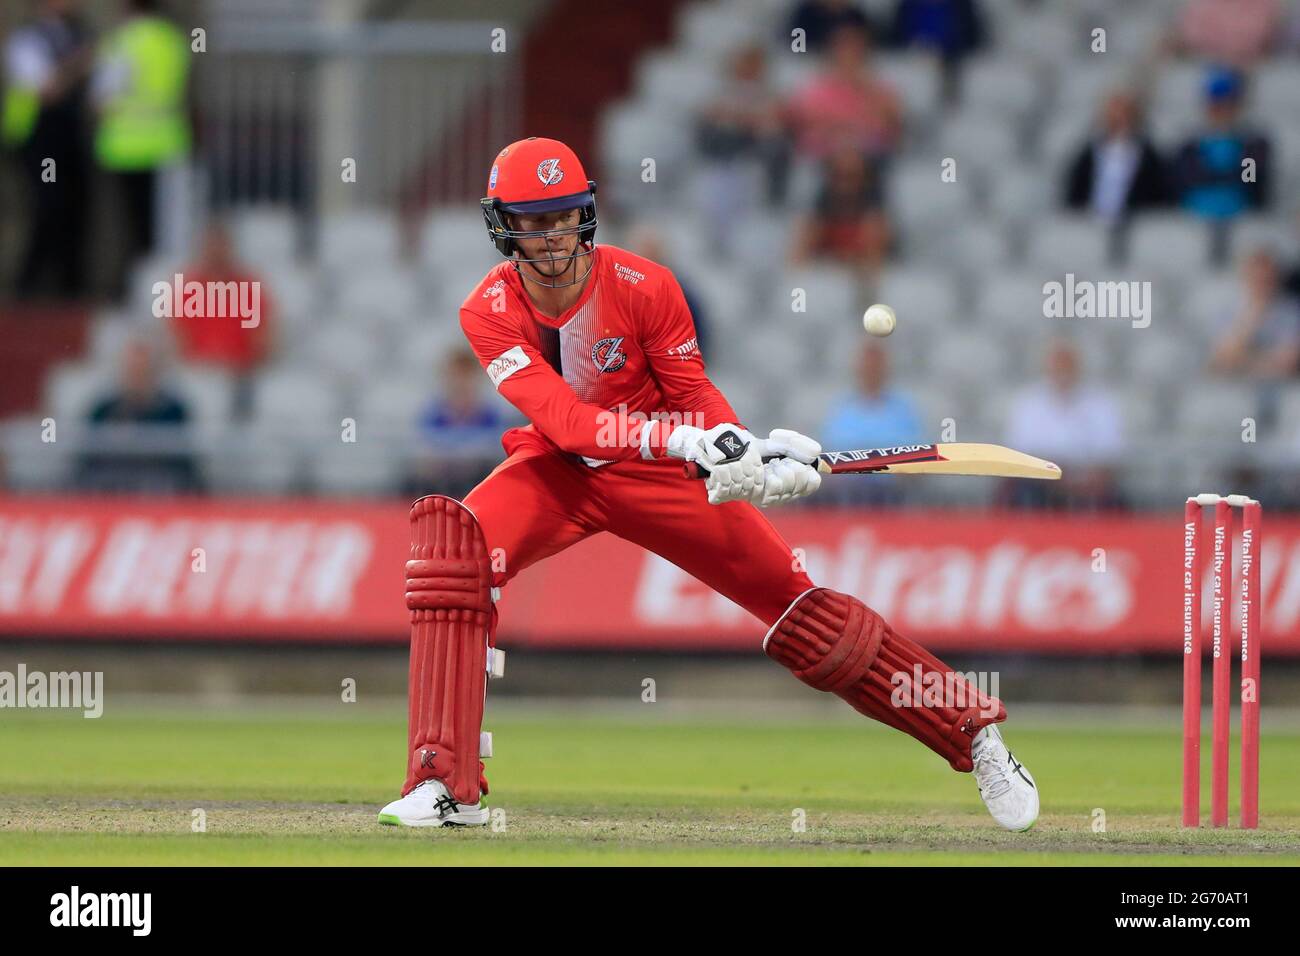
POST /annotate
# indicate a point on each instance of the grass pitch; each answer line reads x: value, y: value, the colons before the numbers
x: 286, y: 786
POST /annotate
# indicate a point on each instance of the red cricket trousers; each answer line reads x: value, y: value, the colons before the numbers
x: 538, y: 502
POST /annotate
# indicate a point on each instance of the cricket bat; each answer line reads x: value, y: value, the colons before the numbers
x: 945, y: 458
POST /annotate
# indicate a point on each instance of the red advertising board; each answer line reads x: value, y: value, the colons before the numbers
x: 331, y: 571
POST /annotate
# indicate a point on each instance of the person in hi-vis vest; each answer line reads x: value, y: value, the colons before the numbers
x: 140, y: 90
x: 43, y: 123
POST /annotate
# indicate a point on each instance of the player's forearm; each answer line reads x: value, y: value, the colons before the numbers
x: 583, y: 429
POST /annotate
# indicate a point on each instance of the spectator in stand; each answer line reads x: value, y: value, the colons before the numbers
x: 847, y: 223
x: 42, y: 118
x: 645, y: 240
x: 1118, y: 170
x: 140, y: 88
x: 819, y: 19
x: 138, y: 442
x: 227, y: 340
x: 1078, y: 426
x: 950, y: 29
x: 846, y: 102
x: 1238, y: 32
x: 1208, y: 171
x: 874, y: 414
x: 744, y: 126
x: 460, y: 432
x: 1262, y: 341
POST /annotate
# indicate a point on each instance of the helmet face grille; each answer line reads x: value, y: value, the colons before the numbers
x: 503, y: 236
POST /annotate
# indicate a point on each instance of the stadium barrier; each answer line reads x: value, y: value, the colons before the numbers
x: 330, y: 571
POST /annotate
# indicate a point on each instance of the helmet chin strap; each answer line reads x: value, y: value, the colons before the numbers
x: 579, y: 250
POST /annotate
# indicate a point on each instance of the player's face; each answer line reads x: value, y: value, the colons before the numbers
x: 558, y: 247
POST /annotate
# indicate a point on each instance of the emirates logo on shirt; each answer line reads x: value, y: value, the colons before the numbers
x: 608, y: 355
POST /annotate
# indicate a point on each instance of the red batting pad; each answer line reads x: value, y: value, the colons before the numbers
x: 449, y: 594
x: 834, y: 642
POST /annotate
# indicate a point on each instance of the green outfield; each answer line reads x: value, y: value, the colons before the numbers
x: 284, y: 786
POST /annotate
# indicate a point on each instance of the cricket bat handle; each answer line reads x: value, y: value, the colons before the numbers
x: 692, y: 470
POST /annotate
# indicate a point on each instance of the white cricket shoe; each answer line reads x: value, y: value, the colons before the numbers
x: 431, y: 804
x: 1005, y: 785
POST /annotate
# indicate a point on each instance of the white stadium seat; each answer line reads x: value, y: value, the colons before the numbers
x: 919, y: 197
x: 968, y: 359
x: 1014, y: 298
x: 1212, y: 412
x: 1046, y: 39
x: 347, y: 346
x: 384, y: 293
x: 371, y: 465
x: 979, y: 247
x: 915, y: 79
x: 1210, y: 304
x: 258, y: 459
x: 1289, y: 416
x: 393, y: 405
x: 677, y: 81
x: 208, y: 393
x: 455, y: 244
x: 1062, y: 244
x: 634, y: 132
x: 830, y: 292
x: 110, y: 331
x: 426, y: 347
x: 1273, y: 90
x: 303, y: 403
x: 356, y: 239
x: 727, y: 298
x: 998, y: 86
x: 1178, y: 90
x: 926, y: 298
x: 1274, y: 233
x: 1173, y: 244
x: 714, y: 29
x: 1061, y: 138
x: 265, y: 235
x: 1024, y: 192
x: 1164, y: 356
x: 979, y: 141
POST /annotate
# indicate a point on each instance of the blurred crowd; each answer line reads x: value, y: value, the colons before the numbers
x: 114, y: 107
x: 846, y: 123
x: 82, y: 109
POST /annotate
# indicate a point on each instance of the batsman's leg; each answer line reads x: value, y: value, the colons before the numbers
x: 450, y: 596
x: 830, y: 641
x: 461, y: 554
x: 835, y: 643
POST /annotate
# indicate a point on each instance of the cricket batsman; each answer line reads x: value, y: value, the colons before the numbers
x: 596, y: 347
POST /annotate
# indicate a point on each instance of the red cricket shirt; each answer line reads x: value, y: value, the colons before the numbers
x: 591, y: 380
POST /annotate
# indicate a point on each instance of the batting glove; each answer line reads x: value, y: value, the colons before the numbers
x: 731, y: 455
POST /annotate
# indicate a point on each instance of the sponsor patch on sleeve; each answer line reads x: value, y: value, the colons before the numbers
x: 506, y: 364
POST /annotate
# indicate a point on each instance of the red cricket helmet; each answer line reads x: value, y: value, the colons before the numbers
x: 538, y: 175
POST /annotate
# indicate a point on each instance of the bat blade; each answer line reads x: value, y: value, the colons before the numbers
x: 944, y: 458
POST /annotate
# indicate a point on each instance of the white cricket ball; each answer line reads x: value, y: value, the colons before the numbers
x: 879, y: 320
